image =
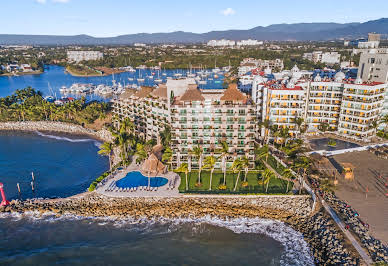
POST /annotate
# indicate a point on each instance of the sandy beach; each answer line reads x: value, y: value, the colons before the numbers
x: 372, y: 205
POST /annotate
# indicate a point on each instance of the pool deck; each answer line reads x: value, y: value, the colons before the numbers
x: 163, y: 191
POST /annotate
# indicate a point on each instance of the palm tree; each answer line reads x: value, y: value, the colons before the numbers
x: 266, y: 124
x: 185, y: 169
x: 373, y: 125
x: 245, y: 165
x: 237, y: 166
x: 298, y: 123
x: 263, y: 152
x: 287, y: 174
x: 167, y: 155
x: 224, y: 150
x: 209, y: 163
x: 323, y: 126
x: 106, y: 149
x: 140, y: 153
x: 197, y: 152
x: 165, y: 136
x: 267, y: 175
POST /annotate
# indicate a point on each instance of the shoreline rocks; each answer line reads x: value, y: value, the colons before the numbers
x: 52, y: 126
x: 327, y: 244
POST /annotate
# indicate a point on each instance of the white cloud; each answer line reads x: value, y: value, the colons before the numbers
x: 41, y: 1
x: 61, y: 1
x: 228, y: 12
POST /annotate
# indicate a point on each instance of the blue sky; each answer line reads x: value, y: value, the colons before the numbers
x: 104, y: 18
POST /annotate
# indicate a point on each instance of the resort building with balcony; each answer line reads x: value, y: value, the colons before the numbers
x: 347, y: 107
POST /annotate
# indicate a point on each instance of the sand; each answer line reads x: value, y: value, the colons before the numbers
x: 373, y: 205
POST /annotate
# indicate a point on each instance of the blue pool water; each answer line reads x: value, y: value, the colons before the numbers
x: 136, y: 179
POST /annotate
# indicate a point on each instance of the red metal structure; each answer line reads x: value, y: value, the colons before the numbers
x: 4, y: 201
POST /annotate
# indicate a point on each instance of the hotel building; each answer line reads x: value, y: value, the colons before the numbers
x: 196, y: 117
x: 347, y: 106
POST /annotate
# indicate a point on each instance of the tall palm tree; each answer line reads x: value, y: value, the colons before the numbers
x: 140, y: 153
x: 266, y: 124
x: 237, y: 166
x: 384, y: 120
x: 185, y: 169
x: 263, y: 152
x: 224, y: 150
x: 197, y: 152
x: 298, y: 123
x: 267, y: 175
x: 167, y: 155
x: 209, y: 163
x: 245, y: 165
x: 106, y: 149
x: 288, y: 175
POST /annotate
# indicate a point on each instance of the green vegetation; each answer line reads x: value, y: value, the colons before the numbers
x: 93, y: 185
x: 29, y: 105
x: 81, y: 70
x: 332, y: 142
x: 256, y: 183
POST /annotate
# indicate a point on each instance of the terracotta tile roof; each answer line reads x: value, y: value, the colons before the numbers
x: 233, y: 94
x: 160, y: 92
x: 192, y: 94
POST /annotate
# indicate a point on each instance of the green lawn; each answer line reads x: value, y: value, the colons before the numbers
x: 276, y: 186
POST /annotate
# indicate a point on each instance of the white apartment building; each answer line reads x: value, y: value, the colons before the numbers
x: 374, y: 65
x: 249, y: 42
x: 372, y: 43
x: 221, y: 43
x: 329, y: 58
x: 348, y: 107
x: 249, y: 64
x: 78, y: 56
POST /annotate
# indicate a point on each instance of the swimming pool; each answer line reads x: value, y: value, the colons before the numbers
x: 137, y: 179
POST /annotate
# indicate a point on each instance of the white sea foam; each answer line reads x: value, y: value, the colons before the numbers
x: 97, y: 143
x: 296, y: 250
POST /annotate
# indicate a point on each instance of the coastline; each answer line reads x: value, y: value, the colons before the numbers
x: 326, y: 244
x: 90, y: 75
x: 22, y: 74
x: 60, y: 127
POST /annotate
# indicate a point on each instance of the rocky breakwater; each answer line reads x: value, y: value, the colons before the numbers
x: 52, y: 126
x: 326, y: 243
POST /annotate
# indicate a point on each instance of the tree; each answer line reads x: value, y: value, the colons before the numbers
x: 224, y: 150
x: 106, y: 149
x: 263, y: 152
x: 384, y: 120
x: 167, y: 155
x: 245, y: 165
x: 185, y: 169
x: 197, y: 152
x: 209, y: 163
x: 288, y: 175
x: 237, y: 166
x: 266, y: 124
x: 323, y: 126
x: 140, y: 153
x: 267, y: 175
x: 165, y: 136
x: 298, y: 123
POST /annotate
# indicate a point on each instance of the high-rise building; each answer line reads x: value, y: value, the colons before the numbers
x: 373, y: 65
x: 78, y: 56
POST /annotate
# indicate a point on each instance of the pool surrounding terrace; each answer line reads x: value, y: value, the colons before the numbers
x: 136, y: 179
x: 323, y: 144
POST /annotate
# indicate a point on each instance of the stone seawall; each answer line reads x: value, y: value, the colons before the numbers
x: 327, y: 244
x: 102, y: 134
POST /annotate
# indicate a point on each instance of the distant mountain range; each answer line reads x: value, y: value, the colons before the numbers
x: 277, y: 32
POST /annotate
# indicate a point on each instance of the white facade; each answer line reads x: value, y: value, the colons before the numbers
x: 78, y: 56
x: 221, y: 43
x: 374, y: 65
x: 330, y: 58
x: 249, y: 42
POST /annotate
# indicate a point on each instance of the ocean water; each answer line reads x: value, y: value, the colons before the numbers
x: 54, y: 77
x: 65, y: 165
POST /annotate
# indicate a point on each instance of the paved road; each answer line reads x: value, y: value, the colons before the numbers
x: 351, y: 238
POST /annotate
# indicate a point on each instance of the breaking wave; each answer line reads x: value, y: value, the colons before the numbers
x: 296, y: 249
x: 96, y: 143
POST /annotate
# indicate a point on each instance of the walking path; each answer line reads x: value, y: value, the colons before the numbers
x: 367, y: 259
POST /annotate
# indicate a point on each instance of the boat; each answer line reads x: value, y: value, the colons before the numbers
x: 158, y: 80
x: 130, y: 79
x: 202, y: 82
x: 50, y: 99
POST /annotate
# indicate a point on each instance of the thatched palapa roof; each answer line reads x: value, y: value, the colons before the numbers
x: 160, y: 92
x: 152, y: 166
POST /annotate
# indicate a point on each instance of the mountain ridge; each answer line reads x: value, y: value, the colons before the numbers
x: 323, y: 31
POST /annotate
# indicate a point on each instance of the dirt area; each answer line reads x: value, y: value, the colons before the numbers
x: 109, y: 71
x: 98, y: 124
x: 367, y: 192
